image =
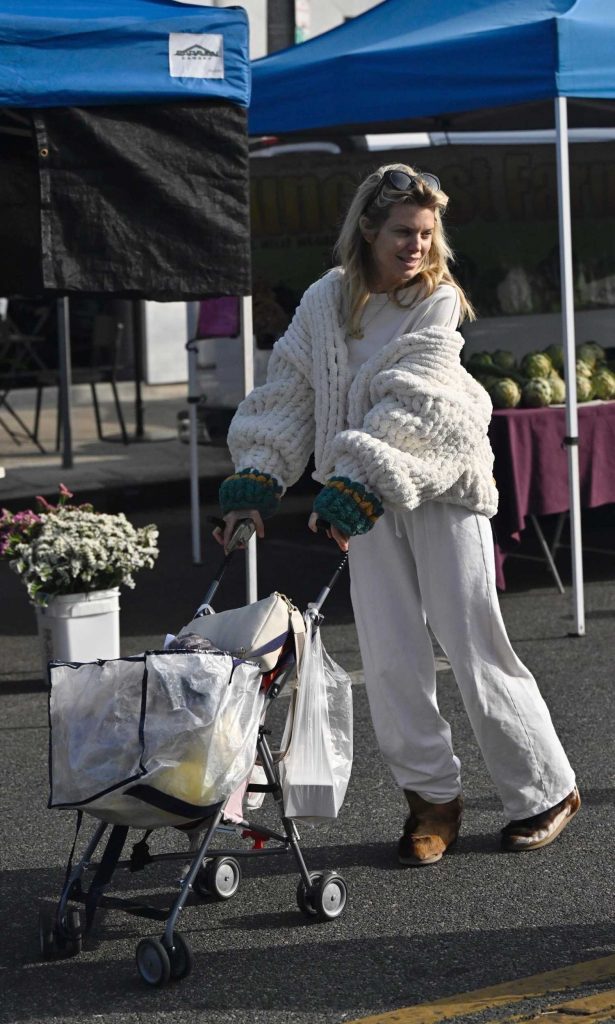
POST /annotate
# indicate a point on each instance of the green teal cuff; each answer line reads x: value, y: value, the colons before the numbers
x: 250, y: 488
x: 348, y: 506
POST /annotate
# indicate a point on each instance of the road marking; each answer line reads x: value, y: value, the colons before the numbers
x: 586, y: 1010
x: 467, y: 1003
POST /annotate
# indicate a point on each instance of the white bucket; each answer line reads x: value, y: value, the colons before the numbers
x: 80, y: 627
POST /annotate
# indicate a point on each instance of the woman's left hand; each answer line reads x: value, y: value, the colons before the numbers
x: 340, y: 538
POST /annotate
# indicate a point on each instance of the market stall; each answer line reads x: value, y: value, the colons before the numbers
x: 124, y: 166
x: 459, y: 65
x: 530, y: 468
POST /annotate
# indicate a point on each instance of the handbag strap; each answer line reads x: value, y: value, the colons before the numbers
x: 297, y: 623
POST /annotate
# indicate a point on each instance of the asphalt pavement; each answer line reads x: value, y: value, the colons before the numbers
x: 407, y: 937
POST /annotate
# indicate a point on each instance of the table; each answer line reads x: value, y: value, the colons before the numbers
x: 531, y: 467
x: 20, y: 367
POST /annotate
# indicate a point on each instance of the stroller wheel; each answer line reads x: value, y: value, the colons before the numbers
x: 73, y: 932
x: 153, y: 962
x: 59, y: 940
x: 180, y: 957
x: 329, y: 896
x: 304, y: 896
x: 219, y: 878
x: 46, y: 933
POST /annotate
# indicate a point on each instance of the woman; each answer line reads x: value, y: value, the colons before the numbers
x: 368, y: 377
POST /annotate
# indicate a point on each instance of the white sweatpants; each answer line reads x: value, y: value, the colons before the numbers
x: 436, y: 563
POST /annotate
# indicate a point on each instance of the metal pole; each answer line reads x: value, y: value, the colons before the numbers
x: 572, y: 426
x: 64, y: 363
x: 280, y: 24
x: 247, y: 338
x: 138, y: 339
x: 193, y: 400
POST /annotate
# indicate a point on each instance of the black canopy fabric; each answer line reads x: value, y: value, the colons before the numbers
x: 136, y: 200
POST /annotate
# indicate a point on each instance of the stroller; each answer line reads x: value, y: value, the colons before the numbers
x: 214, y: 872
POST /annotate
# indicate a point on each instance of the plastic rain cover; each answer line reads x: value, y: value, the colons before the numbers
x: 157, y: 739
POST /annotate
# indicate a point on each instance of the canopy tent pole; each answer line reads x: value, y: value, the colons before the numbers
x: 64, y: 364
x: 193, y: 400
x: 572, y: 427
x: 247, y: 340
x: 138, y: 321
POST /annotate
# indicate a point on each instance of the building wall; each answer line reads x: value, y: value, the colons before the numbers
x: 320, y: 15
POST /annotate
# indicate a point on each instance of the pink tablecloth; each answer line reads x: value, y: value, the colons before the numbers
x: 531, y: 466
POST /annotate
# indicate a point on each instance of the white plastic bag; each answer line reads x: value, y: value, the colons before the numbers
x: 316, y: 768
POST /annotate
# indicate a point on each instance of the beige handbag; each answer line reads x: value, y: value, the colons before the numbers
x: 257, y: 632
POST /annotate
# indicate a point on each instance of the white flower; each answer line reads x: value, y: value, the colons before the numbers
x: 77, y: 550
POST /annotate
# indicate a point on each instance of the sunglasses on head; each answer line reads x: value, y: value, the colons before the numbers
x: 401, y: 181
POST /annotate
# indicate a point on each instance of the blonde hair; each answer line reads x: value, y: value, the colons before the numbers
x: 353, y: 252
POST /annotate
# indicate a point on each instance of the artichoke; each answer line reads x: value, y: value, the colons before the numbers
x: 480, y: 361
x: 556, y: 355
x: 504, y: 360
x: 505, y: 393
x: 584, y: 369
x: 585, y: 389
x: 591, y: 352
x: 535, y: 365
x: 603, y: 384
x: 558, y: 388
x: 537, y: 392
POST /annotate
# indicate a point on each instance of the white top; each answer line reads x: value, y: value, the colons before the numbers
x: 384, y: 320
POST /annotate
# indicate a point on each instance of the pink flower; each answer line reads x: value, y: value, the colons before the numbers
x: 26, y: 518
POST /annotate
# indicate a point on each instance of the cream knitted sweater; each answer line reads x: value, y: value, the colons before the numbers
x: 410, y: 427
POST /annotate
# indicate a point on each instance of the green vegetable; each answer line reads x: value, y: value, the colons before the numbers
x: 585, y: 389
x: 505, y: 393
x: 504, y: 360
x: 556, y: 355
x: 480, y: 361
x: 535, y: 365
x: 558, y: 388
x: 591, y: 352
x: 603, y: 383
x: 584, y: 369
x: 536, y: 392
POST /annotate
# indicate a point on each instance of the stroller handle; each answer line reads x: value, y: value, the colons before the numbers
x: 315, y: 606
x: 244, y: 528
x: 242, y: 533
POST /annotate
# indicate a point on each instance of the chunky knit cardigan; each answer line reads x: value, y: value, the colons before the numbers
x: 410, y: 427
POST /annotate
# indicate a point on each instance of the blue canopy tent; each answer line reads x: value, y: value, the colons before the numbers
x: 89, y: 52
x: 124, y: 157
x: 459, y: 65
x: 465, y: 64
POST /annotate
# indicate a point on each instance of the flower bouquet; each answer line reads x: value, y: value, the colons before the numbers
x: 69, y: 549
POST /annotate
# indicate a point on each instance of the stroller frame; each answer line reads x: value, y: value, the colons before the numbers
x: 213, y: 872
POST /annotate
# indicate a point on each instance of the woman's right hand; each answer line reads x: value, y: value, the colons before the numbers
x: 231, y: 519
x: 341, y: 539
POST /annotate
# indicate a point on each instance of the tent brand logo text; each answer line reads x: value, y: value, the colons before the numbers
x: 194, y: 52
x: 196, y: 56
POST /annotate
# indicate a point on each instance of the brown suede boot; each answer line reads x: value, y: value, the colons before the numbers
x: 429, y: 830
